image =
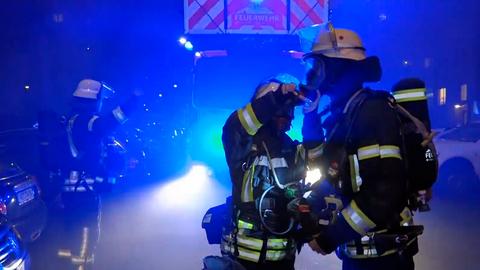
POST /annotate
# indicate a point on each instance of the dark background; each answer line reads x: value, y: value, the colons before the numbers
x: 50, y: 45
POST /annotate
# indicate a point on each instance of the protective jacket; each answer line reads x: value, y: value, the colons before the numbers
x: 80, y: 214
x: 363, y: 159
x: 85, y: 133
x: 261, y: 159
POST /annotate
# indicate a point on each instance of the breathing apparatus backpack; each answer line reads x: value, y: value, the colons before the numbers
x: 418, y: 150
x: 421, y: 155
x: 215, y: 221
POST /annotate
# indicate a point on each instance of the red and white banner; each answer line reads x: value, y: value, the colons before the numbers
x: 204, y: 16
x: 305, y: 13
x: 252, y: 17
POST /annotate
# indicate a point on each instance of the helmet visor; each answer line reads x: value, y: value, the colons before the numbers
x: 106, y: 92
x: 315, y: 72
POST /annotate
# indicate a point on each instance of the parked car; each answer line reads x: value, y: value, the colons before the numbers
x: 459, y: 158
x: 22, y: 215
x: 13, y: 253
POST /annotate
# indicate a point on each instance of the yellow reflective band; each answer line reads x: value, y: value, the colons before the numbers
x: 390, y: 151
x: 384, y: 151
x: 410, y: 95
x: 276, y: 162
x: 371, y: 252
x: 330, y: 200
x: 249, y: 242
x: 91, y: 122
x: 380, y: 231
x: 357, y: 219
x: 316, y: 152
x: 370, y: 151
x: 73, y: 148
x: 275, y: 255
x: 277, y: 243
x: 253, y: 117
x: 243, y: 231
x: 248, y: 255
x: 119, y: 115
x: 248, y: 119
x: 300, y: 153
x: 279, y: 163
x: 406, y: 216
x: 247, y: 188
x: 368, y: 247
x: 244, y: 225
x: 355, y: 173
x: 261, y: 161
x: 367, y: 252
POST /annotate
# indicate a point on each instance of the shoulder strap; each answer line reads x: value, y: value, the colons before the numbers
x: 419, y: 125
x: 349, y: 113
x: 272, y: 167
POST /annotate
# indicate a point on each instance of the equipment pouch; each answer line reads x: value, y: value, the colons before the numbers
x: 215, y: 219
x: 221, y: 263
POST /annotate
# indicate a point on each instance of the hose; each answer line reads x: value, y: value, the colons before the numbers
x: 260, y: 213
x: 277, y: 182
x: 279, y: 185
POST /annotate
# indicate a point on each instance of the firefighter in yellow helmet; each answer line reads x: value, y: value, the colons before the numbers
x: 265, y: 164
x: 362, y: 160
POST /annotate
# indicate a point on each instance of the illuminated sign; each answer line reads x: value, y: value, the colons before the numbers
x: 253, y: 16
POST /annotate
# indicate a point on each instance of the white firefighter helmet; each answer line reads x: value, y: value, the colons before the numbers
x: 266, y: 87
x: 272, y: 84
x: 338, y: 43
x: 88, y: 88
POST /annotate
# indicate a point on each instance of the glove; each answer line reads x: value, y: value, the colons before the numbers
x: 286, y: 94
x: 300, y: 211
x: 311, y: 106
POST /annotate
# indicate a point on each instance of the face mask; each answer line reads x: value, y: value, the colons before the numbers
x: 326, y: 73
x: 316, y: 74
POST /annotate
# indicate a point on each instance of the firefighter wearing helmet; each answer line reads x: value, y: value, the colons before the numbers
x: 362, y: 159
x: 264, y: 163
x: 75, y: 228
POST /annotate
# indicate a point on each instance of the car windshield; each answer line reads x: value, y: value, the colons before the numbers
x: 464, y: 134
x: 8, y: 170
